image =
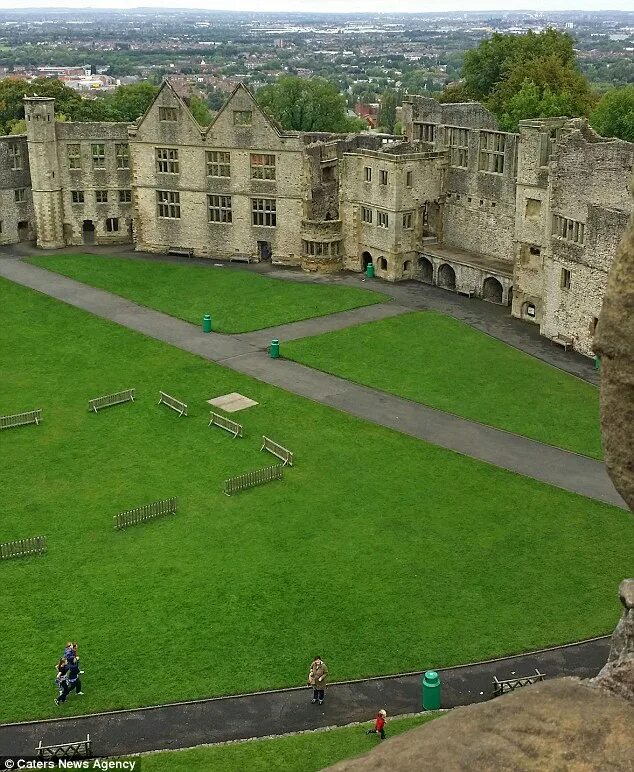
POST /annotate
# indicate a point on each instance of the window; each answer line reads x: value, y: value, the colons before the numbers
x: 219, y: 208
x: 98, y: 156
x: 382, y: 263
x: 74, y: 156
x: 77, y: 196
x: 408, y: 179
x: 321, y: 248
x: 15, y: 157
x: 125, y: 196
x: 167, y: 160
x: 533, y: 208
x: 218, y: 164
x: 168, y: 113
x: 536, y: 251
x: 20, y: 195
x: 101, y: 196
x: 328, y: 173
x: 492, y: 144
x: 382, y: 219
x: 566, y: 277
x: 593, y: 325
x: 366, y: 214
x: 457, y: 140
x: 168, y: 204
x: 262, y: 166
x: 264, y: 212
x: 122, y: 153
x: 367, y: 174
x: 407, y: 221
x: 383, y: 177
x: 427, y: 132
x: 242, y: 117
x: 112, y: 224
x: 569, y: 230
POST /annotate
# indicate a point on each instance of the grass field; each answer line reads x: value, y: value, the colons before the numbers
x: 431, y: 358
x: 238, y: 301
x: 378, y: 551
x: 307, y: 752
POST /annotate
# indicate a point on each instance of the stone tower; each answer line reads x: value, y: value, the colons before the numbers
x: 45, y: 173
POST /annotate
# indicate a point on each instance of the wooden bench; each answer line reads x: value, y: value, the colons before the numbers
x: 21, y: 419
x: 278, y: 450
x: 225, y: 423
x: 144, y: 513
x: 180, y: 251
x: 240, y: 259
x: 563, y: 340
x: 175, y: 404
x: 111, y: 399
x: 250, y: 479
x: 74, y: 750
x: 502, y: 687
x: 468, y: 292
x: 33, y: 545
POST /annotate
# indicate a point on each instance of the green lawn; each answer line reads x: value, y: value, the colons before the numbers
x: 372, y: 552
x: 307, y: 752
x: 238, y: 301
x: 431, y: 358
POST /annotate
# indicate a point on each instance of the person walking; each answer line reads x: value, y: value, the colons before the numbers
x: 317, y: 677
x: 61, y: 681
x: 74, y: 682
x: 379, y: 724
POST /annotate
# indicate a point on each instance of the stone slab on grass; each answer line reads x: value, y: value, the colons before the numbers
x: 231, y: 403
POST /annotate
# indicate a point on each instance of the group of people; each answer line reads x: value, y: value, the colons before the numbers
x: 67, y: 673
x: 318, y: 677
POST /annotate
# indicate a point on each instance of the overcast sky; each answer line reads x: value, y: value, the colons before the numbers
x: 349, y: 6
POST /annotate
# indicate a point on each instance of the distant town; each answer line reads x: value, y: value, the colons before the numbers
x: 209, y: 53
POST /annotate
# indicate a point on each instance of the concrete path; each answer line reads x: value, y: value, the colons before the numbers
x: 557, y: 467
x: 184, y: 725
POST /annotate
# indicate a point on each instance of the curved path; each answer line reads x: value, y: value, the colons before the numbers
x: 548, y: 464
x: 185, y: 724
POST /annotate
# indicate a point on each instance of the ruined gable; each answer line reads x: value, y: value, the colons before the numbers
x: 167, y: 121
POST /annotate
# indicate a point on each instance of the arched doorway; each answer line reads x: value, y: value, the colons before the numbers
x: 382, y: 263
x: 447, y: 277
x: 23, y: 230
x: 407, y: 267
x: 366, y: 259
x: 426, y: 268
x: 88, y: 232
x: 492, y: 290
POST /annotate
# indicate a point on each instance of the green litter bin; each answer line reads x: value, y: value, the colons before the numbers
x: 597, y: 362
x: 431, y: 690
x: 274, y: 349
x: 369, y: 270
x: 207, y: 323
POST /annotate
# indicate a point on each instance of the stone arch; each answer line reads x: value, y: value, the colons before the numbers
x: 528, y: 311
x: 383, y: 263
x: 492, y: 290
x: 407, y: 266
x: 446, y: 277
x: 426, y: 268
x: 366, y: 260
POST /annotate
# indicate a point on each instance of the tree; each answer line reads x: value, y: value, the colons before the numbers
x: 307, y: 105
x: 614, y: 115
x: 13, y: 91
x: 387, y: 111
x: 200, y: 111
x: 127, y: 103
x: 532, y: 101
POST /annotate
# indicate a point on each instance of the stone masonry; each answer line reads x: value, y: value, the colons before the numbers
x: 526, y: 220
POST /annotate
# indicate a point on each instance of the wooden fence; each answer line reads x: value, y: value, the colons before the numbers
x: 73, y: 750
x: 251, y: 479
x: 144, y: 513
x: 20, y: 419
x: 111, y: 399
x: 34, y: 545
x: 175, y: 404
x: 278, y: 450
x: 225, y: 423
x: 502, y: 687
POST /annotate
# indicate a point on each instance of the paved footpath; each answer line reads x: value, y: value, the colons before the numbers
x: 183, y: 725
x: 551, y: 465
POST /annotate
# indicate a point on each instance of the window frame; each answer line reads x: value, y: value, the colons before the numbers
x: 167, y: 160
x: 219, y: 209
x: 243, y: 118
x: 382, y: 219
x: 99, y: 155
x: 216, y: 162
x: 168, y: 114
x: 101, y: 196
x: 492, y: 151
x: 77, y: 197
x: 122, y: 155
x: 16, y: 157
x: 168, y: 204
x: 261, y: 166
x: 73, y: 158
x: 264, y: 212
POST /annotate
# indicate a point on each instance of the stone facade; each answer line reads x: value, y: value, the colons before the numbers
x: 527, y: 220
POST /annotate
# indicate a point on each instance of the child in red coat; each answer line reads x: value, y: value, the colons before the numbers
x: 379, y: 725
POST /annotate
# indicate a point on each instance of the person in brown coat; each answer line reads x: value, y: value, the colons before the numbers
x: 317, y: 677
